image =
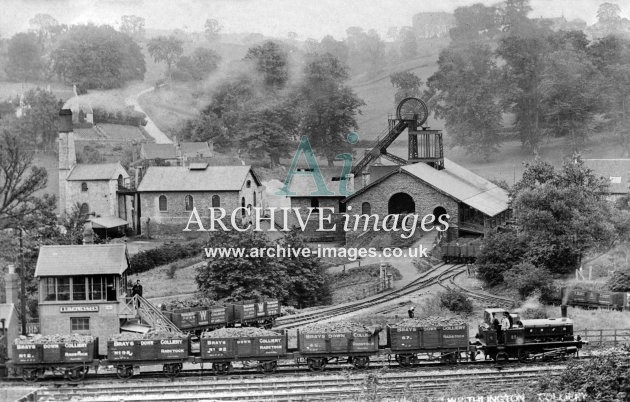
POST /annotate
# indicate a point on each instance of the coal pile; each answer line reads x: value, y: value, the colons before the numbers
x: 433, y: 321
x: 243, y: 332
x: 53, y: 339
x: 338, y: 327
x: 130, y: 336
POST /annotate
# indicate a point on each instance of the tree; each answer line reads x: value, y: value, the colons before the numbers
x: 526, y: 278
x: 166, y: 49
x: 73, y: 223
x: 328, y: 107
x: 409, y: 46
x: 271, y: 60
x: 97, y: 57
x: 620, y: 281
x: 270, y: 128
x: 212, y: 28
x: 245, y: 277
x: 475, y: 23
x: 334, y: 47
x: 407, y: 85
x: 46, y: 27
x: 24, y: 58
x: 133, y: 26
x: 199, y: 64
x: 20, y: 181
x: 500, y: 252
x: 38, y: 122
x: 609, y: 18
x: 465, y: 94
x: 513, y: 16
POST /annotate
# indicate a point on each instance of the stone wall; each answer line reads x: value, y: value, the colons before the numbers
x: 426, y: 199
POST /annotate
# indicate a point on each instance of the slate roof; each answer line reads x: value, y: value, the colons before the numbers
x: 195, y: 149
x: 458, y: 183
x: 93, y: 259
x: 178, y: 178
x: 304, y: 185
x: 161, y: 151
x: 615, y: 171
x: 100, y: 171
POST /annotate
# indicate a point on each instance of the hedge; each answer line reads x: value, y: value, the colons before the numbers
x: 124, y: 116
x: 149, y: 259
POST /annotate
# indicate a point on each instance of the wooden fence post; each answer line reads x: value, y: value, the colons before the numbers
x: 601, y: 337
x: 615, y: 342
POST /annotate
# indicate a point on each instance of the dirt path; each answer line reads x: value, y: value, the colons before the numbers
x: 151, y: 128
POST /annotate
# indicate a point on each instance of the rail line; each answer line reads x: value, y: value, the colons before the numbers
x: 425, y: 280
x: 325, y: 387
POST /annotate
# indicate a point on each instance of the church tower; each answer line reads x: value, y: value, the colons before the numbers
x: 67, y: 155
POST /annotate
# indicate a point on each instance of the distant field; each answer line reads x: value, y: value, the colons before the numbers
x: 13, y: 89
x: 169, y: 108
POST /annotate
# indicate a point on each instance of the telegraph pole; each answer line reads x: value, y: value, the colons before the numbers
x: 22, y: 285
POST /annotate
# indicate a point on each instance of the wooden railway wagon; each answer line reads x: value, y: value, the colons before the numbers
x: 319, y: 348
x: 73, y: 359
x: 201, y: 318
x: 464, y: 253
x: 171, y: 352
x: 449, y: 344
x: 593, y: 299
x: 221, y: 352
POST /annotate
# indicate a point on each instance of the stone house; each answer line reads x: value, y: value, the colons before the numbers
x: 168, y: 194
x: 475, y: 205
x: 97, y: 188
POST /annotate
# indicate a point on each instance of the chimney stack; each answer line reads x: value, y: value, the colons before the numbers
x: 12, y: 281
x: 65, y: 120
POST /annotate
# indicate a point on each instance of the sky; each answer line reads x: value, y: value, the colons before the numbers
x: 308, y: 18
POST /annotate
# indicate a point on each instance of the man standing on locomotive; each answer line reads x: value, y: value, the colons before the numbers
x: 496, y: 326
x: 506, y: 323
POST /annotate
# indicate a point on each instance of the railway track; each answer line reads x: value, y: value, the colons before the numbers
x: 493, y: 300
x: 331, y: 386
x: 425, y: 280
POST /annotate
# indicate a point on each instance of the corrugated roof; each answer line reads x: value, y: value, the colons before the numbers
x: 100, y: 171
x: 463, y: 185
x: 108, y: 222
x: 615, y: 171
x: 93, y: 259
x: 161, y: 151
x: 304, y: 185
x: 178, y: 178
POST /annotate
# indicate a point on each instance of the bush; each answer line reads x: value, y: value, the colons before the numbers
x: 500, y: 252
x: 456, y: 301
x: 125, y: 116
x: 620, y: 281
x: 149, y: 259
x: 526, y: 278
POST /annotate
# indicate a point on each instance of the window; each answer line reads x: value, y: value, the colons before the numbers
x: 78, y: 288
x: 96, y: 285
x: 110, y: 288
x: 84, y: 186
x: 163, y: 204
x: 254, y: 198
x: 63, y: 288
x: 188, y: 203
x: 248, y: 184
x: 216, y: 201
x: 243, y: 206
x: 79, y: 323
x: 314, y: 203
x: 366, y: 208
x: 49, y: 291
x: 342, y: 207
x: 121, y: 181
x: 85, y: 209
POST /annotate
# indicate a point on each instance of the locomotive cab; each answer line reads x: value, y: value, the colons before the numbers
x: 487, y: 335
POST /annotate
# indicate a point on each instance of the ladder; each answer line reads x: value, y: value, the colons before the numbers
x: 396, y: 127
x: 151, y: 315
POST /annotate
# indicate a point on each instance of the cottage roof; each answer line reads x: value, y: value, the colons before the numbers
x: 615, y: 171
x: 179, y: 178
x: 161, y: 151
x: 93, y: 259
x: 201, y: 149
x: 458, y: 183
x: 100, y: 171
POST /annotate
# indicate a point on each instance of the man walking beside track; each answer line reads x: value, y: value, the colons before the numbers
x: 137, y: 290
x: 411, y: 312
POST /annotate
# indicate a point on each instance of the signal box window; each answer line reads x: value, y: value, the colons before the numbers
x: 79, y: 324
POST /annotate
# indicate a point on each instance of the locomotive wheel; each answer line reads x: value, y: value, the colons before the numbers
x: 76, y: 374
x: 124, y: 371
x: 406, y: 360
x: 316, y: 363
x: 501, y: 357
x: 30, y: 374
x: 523, y: 356
x: 268, y: 367
x: 221, y: 368
x: 173, y: 369
x: 361, y: 362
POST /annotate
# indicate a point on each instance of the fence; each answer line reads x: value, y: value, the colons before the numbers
x: 605, y: 337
